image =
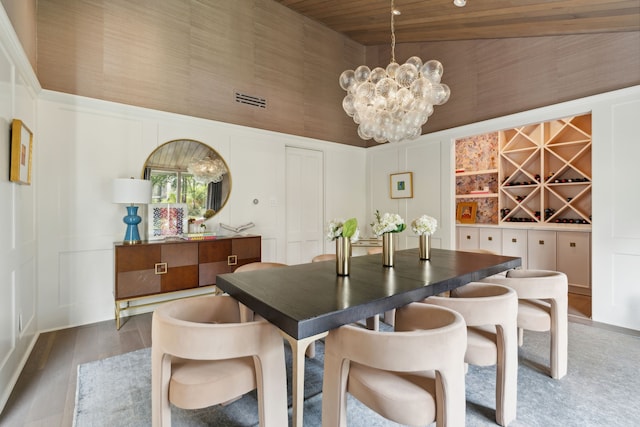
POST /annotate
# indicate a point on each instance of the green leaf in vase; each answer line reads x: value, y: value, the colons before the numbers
x: 349, y: 227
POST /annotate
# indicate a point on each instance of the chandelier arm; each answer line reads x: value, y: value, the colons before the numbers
x: 393, y: 33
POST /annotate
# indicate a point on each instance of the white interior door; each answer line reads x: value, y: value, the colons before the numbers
x: 305, y: 195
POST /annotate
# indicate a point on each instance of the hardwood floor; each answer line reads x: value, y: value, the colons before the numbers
x: 45, y: 392
x: 580, y: 305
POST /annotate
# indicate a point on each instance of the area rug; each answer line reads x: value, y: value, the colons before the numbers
x: 600, y: 389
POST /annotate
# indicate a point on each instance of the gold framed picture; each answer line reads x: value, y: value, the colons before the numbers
x: 21, y: 149
x: 466, y: 212
x: 401, y: 185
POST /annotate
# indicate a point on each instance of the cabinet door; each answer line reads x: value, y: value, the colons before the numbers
x: 135, y: 270
x: 214, y: 257
x: 181, y: 261
x: 541, y: 250
x: 514, y: 243
x: 490, y: 239
x: 468, y: 238
x: 574, y: 259
x: 246, y: 250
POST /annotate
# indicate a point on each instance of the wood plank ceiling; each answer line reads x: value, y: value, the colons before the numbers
x: 368, y: 21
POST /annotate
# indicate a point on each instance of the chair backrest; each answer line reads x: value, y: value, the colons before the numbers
x: 487, y: 308
x: 534, y: 284
x: 418, y: 326
x: 206, y: 328
x: 194, y: 328
x: 428, y: 338
x: 375, y: 250
x: 258, y: 266
x: 323, y: 257
x: 481, y: 303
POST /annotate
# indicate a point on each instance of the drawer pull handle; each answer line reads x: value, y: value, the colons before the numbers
x: 468, y: 237
x: 541, y: 242
x: 514, y: 240
x: 161, y: 268
x: 232, y: 260
x: 489, y: 238
x: 572, y: 244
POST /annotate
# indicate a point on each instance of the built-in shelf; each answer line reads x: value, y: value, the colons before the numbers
x: 480, y: 172
x: 475, y: 195
x: 542, y: 174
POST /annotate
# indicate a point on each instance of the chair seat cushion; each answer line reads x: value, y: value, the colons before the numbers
x: 482, y: 349
x: 400, y: 397
x: 534, y: 315
x: 200, y: 383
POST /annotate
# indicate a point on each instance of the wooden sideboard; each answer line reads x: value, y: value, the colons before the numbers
x: 159, y: 268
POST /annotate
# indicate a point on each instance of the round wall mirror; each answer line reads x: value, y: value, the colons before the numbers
x: 189, y: 172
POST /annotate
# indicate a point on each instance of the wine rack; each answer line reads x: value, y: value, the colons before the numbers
x: 545, y: 172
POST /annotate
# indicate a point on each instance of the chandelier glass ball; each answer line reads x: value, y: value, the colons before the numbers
x: 207, y: 170
x: 393, y: 104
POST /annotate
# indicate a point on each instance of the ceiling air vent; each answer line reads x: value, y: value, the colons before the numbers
x: 251, y: 100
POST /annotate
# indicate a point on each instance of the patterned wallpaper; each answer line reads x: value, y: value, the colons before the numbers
x: 477, y: 153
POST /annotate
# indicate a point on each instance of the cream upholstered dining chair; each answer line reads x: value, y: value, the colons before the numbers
x: 542, y: 306
x: 323, y: 257
x: 201, y: 355
x: 412, y: 376
x: 490, y: 312
x: 258, y: 266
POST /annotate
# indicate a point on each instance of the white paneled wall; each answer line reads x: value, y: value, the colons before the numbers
x: 18, y: 242
x: 87, y: 143
x: 616, y: 203
x: 424, y: 158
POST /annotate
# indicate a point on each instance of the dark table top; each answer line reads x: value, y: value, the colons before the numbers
x: 307, y: 299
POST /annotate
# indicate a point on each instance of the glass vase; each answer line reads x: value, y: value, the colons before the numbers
x: 424, y: 246
x: 343, y: 256
x: 387, y: 249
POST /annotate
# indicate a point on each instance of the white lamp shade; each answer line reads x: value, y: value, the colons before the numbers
x: 131, y: 191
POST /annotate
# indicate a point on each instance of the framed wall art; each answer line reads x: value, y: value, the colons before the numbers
x: 167, y: 220
x: 21, y: 153
x: 401, y: 185
x: 466, y: 212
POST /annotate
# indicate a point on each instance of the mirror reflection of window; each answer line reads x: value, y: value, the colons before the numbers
x: 179, y: 187
x: 170, y: 168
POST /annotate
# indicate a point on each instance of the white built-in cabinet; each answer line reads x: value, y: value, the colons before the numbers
x: 514, y: 243
x: 541, y: 250
x: 558, y: 250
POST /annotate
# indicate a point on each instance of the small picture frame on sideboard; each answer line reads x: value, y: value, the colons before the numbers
x: 466, y: 212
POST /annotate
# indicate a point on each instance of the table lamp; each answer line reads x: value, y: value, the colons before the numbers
x: 131, y: 191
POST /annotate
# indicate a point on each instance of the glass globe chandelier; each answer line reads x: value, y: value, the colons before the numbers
x: 392, y: 104
x: 207, y: 170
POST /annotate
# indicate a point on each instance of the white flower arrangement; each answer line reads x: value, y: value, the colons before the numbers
x: 347, y: 229
x: 387, y: 223
x: 424, y: 225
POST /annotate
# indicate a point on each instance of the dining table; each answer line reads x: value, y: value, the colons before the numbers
x: 305, y: 301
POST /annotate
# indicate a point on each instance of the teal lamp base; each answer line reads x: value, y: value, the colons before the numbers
x: 131, y: 235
